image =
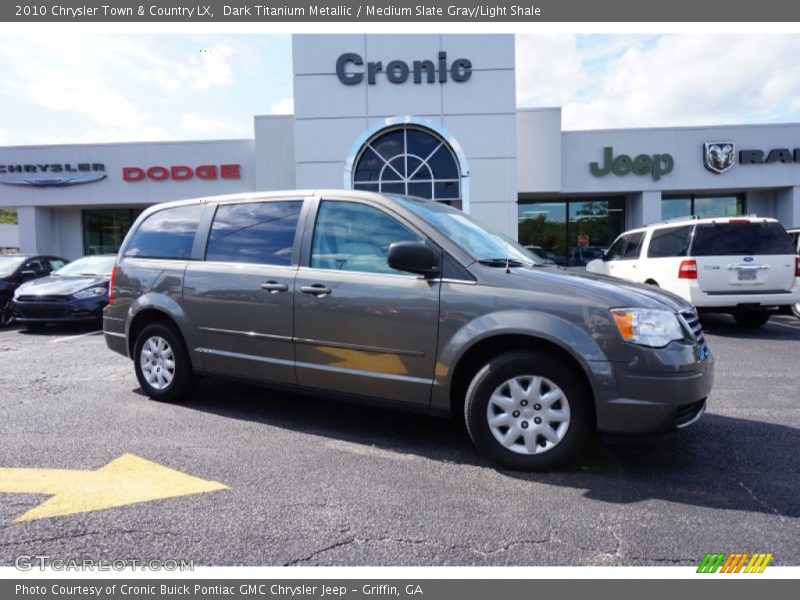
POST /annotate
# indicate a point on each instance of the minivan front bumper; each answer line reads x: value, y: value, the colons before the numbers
x: 660, y: 391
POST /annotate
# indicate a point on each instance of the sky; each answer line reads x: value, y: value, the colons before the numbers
x: 79, y: 88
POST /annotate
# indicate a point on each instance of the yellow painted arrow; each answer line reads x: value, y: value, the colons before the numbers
x: 125, y: 480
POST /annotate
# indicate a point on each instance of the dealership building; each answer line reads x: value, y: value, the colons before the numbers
x: 425, y: 115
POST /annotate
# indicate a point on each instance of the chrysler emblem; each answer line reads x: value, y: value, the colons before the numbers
x: 718, y: 157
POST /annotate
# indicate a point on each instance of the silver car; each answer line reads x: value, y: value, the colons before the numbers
x: 407, y: 303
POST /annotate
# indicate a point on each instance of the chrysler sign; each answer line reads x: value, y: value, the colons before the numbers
x: 52, y: 175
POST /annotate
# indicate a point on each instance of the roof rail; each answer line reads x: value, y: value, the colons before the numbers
x: 678, y: 219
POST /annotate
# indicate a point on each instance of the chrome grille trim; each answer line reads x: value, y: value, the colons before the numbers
x: 692, y: 322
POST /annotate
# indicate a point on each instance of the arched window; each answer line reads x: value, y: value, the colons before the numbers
x: 410, y: 160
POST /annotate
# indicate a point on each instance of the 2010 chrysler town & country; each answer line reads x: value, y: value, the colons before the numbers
x: 406, y: 302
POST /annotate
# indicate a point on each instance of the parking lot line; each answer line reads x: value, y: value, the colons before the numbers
x: 72, y: 337
x: 785, y: 325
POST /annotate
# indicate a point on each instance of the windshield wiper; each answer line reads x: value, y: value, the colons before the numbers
x: 502, y: 262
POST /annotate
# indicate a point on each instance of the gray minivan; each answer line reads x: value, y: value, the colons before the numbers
x: 405, y: 302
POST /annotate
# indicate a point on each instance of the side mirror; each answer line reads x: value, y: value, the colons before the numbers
x: 414, y: 257
x: 606, y: 256
x: 28, y: 275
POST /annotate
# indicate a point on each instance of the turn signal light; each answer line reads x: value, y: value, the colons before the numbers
x: 797, y: 267
x: 688, y: 270
x: 112, y: 284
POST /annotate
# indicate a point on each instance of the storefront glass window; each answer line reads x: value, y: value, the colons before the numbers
x: 571, y: 232
x: 702, y: 206
x: 104, y: 229
x: 674, y: 208
x: 718, y: 206
x: 543, y: 229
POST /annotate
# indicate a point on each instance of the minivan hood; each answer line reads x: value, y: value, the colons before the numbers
x: 59, y: 286
x: 597, y: 289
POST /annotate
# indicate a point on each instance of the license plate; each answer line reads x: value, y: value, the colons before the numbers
x: 747, y: 275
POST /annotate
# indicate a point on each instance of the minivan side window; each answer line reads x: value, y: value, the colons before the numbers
x: 261, y: 232
x: 634, y: 246
x: 615, y: 251
x: 168, y: 233
x: 669, y: 242
x: 354, y: 237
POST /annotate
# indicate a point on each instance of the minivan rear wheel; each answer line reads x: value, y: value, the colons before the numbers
x: 751, y: 318
x: 796, y: 309
x: 527, y: 410
x: 162, y: 364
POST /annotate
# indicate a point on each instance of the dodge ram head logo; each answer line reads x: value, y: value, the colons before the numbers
x: 718, y: 157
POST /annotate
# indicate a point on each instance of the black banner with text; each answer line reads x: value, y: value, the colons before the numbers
x: 321, y: 11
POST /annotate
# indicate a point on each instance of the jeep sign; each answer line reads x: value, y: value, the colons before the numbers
x: 656, y: 165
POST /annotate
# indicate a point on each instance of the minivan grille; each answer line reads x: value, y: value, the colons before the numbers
x: 693, y: 322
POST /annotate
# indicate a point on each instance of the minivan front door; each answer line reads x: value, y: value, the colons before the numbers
x: 361, y: 327
x: 240, y: 298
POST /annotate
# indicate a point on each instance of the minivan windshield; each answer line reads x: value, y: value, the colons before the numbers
x: 742, y: 238
x: 94, y: 266
x: 483, y: 245
x: 9, y: 264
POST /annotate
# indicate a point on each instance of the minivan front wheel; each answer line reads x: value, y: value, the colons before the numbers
x: 527, y: 411
x: 162, y: 364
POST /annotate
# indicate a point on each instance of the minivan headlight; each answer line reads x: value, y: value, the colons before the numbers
x: 647, y: 327
x: 91, y: 292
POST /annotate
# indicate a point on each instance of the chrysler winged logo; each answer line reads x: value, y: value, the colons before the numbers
x: 718, y: 157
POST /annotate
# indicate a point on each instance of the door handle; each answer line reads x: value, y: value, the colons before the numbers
x: 273, y: 287
x: 317, y: 290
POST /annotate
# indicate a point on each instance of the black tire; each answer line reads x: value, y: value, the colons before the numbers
x: 752, y: 318
x: 796, y: 309
x: 6, y: 315
x: 507, y: 366
x: 183, y: 381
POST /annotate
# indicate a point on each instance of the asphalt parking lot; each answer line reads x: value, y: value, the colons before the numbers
x: 312, y: 482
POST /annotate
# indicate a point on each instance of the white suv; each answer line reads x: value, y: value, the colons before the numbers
x: 795, y: 234
x: 745, y: 266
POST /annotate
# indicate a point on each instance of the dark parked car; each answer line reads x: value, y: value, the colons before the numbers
x: 405, y: 302
x: 75, y: 292
x: 15, y: 269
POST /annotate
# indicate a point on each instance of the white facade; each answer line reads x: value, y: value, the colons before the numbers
x: 505, y: 155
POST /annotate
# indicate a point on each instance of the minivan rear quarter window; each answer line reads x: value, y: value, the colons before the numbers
x: 168, y: 233
x: 261, y: 233
x: 732, y: 239
x: 669, y: 242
